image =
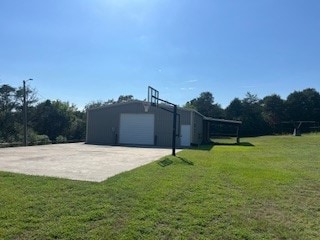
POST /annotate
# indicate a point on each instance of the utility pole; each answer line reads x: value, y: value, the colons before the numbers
x: 25, y: 113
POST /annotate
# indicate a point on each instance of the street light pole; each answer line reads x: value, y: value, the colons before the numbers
x: 25, y: 113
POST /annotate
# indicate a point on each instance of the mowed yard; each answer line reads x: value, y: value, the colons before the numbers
x: 266, y: 188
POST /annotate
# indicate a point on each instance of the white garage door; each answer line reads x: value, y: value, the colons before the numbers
x: 136, y: 129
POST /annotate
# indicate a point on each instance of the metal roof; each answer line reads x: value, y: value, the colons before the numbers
x: 218, y: 120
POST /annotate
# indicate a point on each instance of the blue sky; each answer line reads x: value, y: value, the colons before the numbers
x: 80, y: 50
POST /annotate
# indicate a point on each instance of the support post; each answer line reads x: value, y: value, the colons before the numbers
x: 174, y: 130
x: 238, y: 138
x: 208, y: 132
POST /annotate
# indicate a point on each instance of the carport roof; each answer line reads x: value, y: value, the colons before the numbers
x: 218, y: 120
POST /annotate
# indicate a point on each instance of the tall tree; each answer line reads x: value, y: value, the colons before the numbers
x: 303, y: 105
x: 205, y: 105
x: 234, y: 110
x: 53, y: 118
x: 251, y: 99
x: 8, y: 131
x: 253, y: 122
x: 249, y: 111
x: 273, y: 111
x: 7, y: 98
x: 31, y: 97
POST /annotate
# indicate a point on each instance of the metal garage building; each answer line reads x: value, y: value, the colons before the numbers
x: 130, y: 124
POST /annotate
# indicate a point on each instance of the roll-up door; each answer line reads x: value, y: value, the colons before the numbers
x: 136, y: 129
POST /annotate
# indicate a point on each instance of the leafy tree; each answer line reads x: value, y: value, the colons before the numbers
x: 57, y: 118
x: 7, y: 98
x: 31, y: 97
x: 100, y: 103
x: 303, y: 105
x: 234, y: 110
x: 11, y: 107
x: 8, y: 132
x: 204, y: 104
x: 77, y: 129
x: 94, y: 104
x: 253, y: 122
x: 273, y: 111
x: 189, y: 105
x: 125, y: 98
x: 249, y: 111
x: 53, y: 118
x: 251, y: 99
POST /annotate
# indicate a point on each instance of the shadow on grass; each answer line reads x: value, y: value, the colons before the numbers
x: 185, y: 160
x: 205, y: 147
x: 167, y: 161
x: 242, y: 144
x: 210, y: 146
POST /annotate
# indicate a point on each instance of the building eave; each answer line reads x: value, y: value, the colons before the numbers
x: 218, y: 120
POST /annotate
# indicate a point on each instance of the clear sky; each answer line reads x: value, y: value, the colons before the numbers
x: 85, y: 50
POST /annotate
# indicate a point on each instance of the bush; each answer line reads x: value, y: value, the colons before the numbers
x: 42, y: 140
x: 35, y: 139
x: 61, y: 139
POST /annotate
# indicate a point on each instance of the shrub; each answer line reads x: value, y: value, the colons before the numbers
x: 61, y: 139
x: 42, y: 140
x: 35, y: 139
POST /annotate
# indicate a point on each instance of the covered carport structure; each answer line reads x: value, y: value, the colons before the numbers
x: 209, y: 123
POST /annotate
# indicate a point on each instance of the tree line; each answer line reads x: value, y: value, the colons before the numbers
x: 58, y: 121
x: 48, y: 121
x: 270, y: 115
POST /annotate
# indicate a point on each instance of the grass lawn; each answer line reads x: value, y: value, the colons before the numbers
x: 266, y: 188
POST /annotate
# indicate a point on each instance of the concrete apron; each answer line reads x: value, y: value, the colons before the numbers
x: 77, y: 161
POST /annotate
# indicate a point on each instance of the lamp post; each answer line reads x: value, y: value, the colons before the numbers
x: 25, y: 114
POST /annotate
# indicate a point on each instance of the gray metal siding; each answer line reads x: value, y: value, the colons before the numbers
x: 185, y: 116
x: 103, y: 123
x: 197, y: 129
x: 163, y: 127
x: 102, y: 126
x: 164, y: 124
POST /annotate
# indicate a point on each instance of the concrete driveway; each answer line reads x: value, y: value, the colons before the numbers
x: 77, y: 161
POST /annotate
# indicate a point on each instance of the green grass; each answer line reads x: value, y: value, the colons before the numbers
x: 268, y: 189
